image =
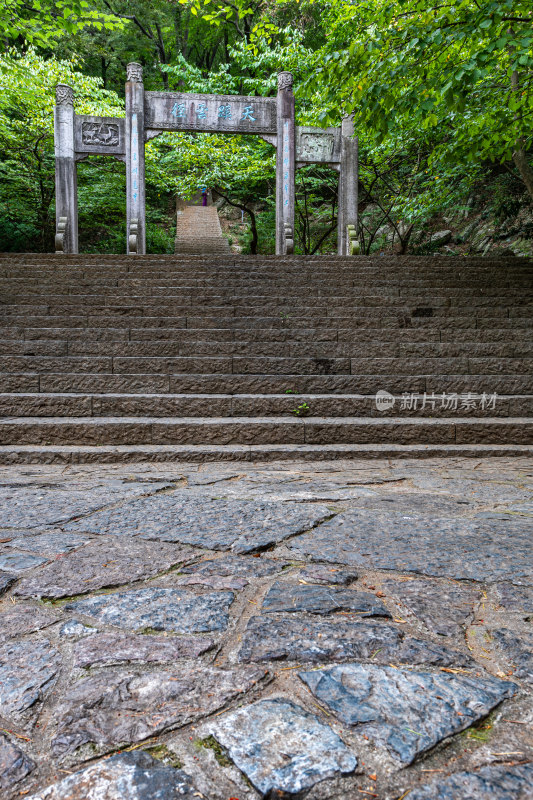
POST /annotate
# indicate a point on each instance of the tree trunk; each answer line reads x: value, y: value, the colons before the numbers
x: 522, y: 164
x: 520, y: 155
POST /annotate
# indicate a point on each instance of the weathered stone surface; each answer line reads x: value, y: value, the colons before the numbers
x: 19, y: 562
x: 28, y: 670
x: 127, y: 776
x: 6, y: 581
x: 302, y: 639
x: 518, y: 650
x: 102, y: 563
x: 241, y: 526
x: 405, y: 711
x: 106, y: 649
x: 14, y: 764
x: 159, y: 609
x: 322, y: 573
x: 19, y: 619
x: 416, y: 503
x: 288, y: 597
x: 443, y: 608
x: 282, y: 748
x: 493, y: 783
x: 35, y: 506
x: 237, y: 566
x: 100, y: 713
x: 468, y: 549
x: 515, y: 598
x: 74, y: 629
x: 49, y: 544
x: 217, y: 582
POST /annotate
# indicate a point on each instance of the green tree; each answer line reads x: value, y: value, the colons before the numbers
x: 26, y: 142
x: 456, y: 74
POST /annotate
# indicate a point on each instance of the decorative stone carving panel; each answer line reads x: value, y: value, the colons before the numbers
x: 318, y: 145
x: 100, y: 135
x: 104, y: 134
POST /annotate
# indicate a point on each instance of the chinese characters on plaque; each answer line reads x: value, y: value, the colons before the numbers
x: 224, y: 113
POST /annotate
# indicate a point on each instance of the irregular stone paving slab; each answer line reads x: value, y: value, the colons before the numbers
x: 417, y: 503
x: 28, y: 670
x: 74, y: 629
x: 19, y: 562
x: 107, y: 649
x: 518, y: 650
x: 269, y: 638
x: 289, y: 597
x: 19, y: 619
x: 280, y: 747
x: 243, y: 527
x: 6, y: 581
x: 475, y: 549
x: 100, y: 713
x: 514, y: 598
x: 36, y: 506
x: 158, y: 609
x: 101, y: 563
x: 49, y: 544
x: 443, y: 608
x: 237, y: 566
x: 14, y: 764
x: 214, y: 582
x: 405, y: 711
x: 322, y: 573
x: 127, y: 776
x: 290, y: 490
x: 490, y: 783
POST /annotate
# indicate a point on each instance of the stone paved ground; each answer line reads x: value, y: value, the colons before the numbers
x: 330, y: 630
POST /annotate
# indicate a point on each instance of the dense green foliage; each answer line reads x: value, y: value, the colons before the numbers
x: 442, y: 96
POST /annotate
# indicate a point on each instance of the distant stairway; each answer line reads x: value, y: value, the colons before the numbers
x: 168, y: 358
x: 198, y: 231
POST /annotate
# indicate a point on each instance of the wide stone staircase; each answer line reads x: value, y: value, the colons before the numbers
x: 115, y: 358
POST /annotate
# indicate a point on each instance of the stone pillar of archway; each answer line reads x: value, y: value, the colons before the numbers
x: 65, y: 172
x: 135, y: 180
x: 347, y: 213
x: 285, y: 165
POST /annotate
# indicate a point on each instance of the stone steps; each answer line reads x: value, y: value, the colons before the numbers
x: 247, y: 405
x: 262, y: 384
x: 197, y: 348
x: 265, y: 365
x: 133, y: 454
x: 168, y: 358
x: 264, y: 430
x: 198, y: 231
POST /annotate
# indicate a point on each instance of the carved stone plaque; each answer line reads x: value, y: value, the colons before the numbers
x: 209, y: 112
x: 103, y: 133
x: 317, y: 145
x: 100, y: 135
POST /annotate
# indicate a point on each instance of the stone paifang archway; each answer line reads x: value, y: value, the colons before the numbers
x: 148, y: 114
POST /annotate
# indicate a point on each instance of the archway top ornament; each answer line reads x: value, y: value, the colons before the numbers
x: 64, y: 95
x: 134, y: 72
x: 285, y: 80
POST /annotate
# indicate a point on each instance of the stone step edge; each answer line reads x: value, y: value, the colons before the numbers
x: 118, y: 454
x: 271, y: 420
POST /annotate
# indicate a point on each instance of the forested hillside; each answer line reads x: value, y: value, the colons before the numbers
x: 442, y: 96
